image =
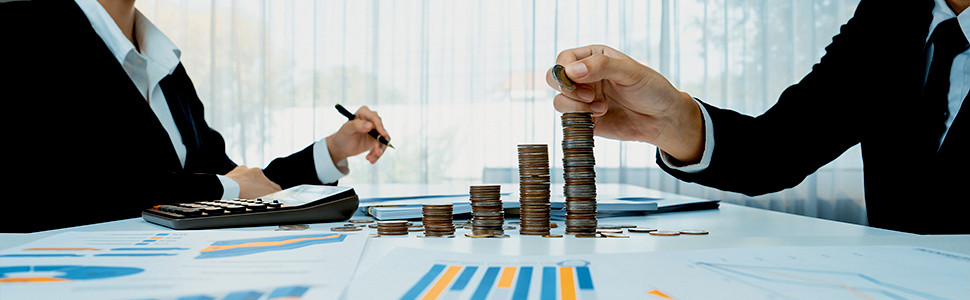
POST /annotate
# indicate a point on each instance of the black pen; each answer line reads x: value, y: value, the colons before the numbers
x: 373, y: 132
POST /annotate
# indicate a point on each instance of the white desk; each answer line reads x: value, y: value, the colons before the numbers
x: 730, y: 226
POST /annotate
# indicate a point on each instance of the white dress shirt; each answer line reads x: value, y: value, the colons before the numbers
x: 959, y: 87
x: 158, y: 58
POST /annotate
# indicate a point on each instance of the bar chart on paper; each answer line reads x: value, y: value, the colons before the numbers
x: 568, y: 279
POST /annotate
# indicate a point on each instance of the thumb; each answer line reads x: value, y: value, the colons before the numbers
x: 608, y: 65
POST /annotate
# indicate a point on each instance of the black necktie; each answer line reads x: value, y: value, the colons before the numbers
x: 948, y: 41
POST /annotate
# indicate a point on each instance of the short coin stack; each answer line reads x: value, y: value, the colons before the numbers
x: 392, y: 228
x: 534, y: 189
x: 437, y: 219
x: 579, y: 173
x: 487, y: 214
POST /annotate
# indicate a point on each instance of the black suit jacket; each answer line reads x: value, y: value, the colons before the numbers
x: 85, y: 146
x: 866, y: 89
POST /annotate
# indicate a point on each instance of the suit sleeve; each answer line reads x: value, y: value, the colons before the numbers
x: 813, y: 122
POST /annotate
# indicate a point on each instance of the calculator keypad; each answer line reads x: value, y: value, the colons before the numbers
x: 219, y: 207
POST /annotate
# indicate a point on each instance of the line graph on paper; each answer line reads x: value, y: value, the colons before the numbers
x: 854, y: 275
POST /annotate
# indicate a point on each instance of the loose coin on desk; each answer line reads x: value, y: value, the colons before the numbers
x: 345, y: 228
x: 665, y: 233
x: 641, y: 229
x: 614, y: 235
x: 694, y: 232
x: 293, y: 227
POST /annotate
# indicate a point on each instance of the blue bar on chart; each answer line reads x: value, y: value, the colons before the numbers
x: 425, y: 281
x: 547, y: 282
x: 288, y: 292
x: 522, y: 284
x: 485, y: 285
x: 243, y: 295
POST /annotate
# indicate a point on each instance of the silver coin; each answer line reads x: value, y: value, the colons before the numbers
x: 641, y: 229
x: 293, y: 227
x: 614, y: 235
x: 345, y: 228
x: 694, y: 232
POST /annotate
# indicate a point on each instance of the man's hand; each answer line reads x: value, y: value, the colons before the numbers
x: 352, y: 138
x: 252, y: 182
x: 630, y: 101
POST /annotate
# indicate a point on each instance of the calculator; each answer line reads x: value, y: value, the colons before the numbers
x: 299, y: 204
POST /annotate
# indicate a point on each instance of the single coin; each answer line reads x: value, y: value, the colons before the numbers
x: 614, y: 235
x: 552, y: 236
x: 609, y: 230
x: 588, y: 235
x: 361, y: 221
x: 694, y: 232
x: 345, y: 228
x: 479, y: 235
x: 641, y: 229
x: 559, y: 73
x: 665, y: 233
x: 293, y: 227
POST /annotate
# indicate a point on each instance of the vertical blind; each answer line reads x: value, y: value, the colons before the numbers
x: 460, y: 83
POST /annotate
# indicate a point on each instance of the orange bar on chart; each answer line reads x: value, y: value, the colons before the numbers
x: 660, y: 294
x: 505, y: 281
x: 442, y: 283
x: 567, y: 286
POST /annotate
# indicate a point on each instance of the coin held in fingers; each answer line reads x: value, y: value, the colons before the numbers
x: 559, y: 73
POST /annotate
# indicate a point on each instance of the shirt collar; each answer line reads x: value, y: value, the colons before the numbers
x: 153, y: 43
x: 942, y: 12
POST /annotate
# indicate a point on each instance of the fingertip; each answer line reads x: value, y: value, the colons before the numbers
x: 586, y: 94
x: 598, y: 107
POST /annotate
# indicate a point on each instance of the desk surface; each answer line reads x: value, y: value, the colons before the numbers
x: 730, y: 226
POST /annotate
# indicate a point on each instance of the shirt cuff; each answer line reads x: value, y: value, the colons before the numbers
x: 708, y: 147
x: 327, y: 171
x: 230, y: 188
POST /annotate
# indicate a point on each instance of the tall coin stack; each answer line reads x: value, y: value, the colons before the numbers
x: 437, y: 219
x: 534, y: 189
x: 487, y: 214
x: 579, y: 173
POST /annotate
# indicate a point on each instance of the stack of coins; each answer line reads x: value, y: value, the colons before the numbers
x: 534, y: 189
x: 487, y: 215
x: 392, y: 228
x: 437, y: 219
x: 579, y: 173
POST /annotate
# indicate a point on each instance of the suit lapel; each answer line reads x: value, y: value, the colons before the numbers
x: 117, y: 97
x: 954, y: 144
x: 181, y: 113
